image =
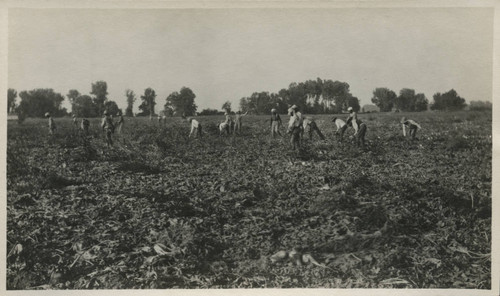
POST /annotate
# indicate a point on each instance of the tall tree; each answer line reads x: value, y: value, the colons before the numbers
x: 72, y: 95
x: 83, y: 106
x: 410, y: 102
x: 35, y: 103
x: 130, y: 102
x: 112, y: 107
x: 353, y: 102
x: 384, y: 98
x: 182, y: 102
x: 148, y: 102
x: 480, y: 105
x: 100, y: 92
x: 406, y: 100
x: 336, y: 92
x: 11, y: 99
x: 449, y: 101
x: 227, y: 106
x: 244, y: 104
x: 421, y: 103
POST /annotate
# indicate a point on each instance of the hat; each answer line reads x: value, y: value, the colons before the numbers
x: 47, y: 114
x: 73, y: 115
x: 294, y: 107
x: 106, y: 112
x: 349, y: 109
x: 273, y: 110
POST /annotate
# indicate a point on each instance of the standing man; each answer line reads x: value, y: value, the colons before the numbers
x: 275, y: 123
x: 108, y: 127
x: 359, y: 127
x: 341, y: 127
x: 229, y: 121
x: 120, y: 122
x: 237, y: 121
x: 52, y: 125
x: 75, y: 123
x: 412, y: 125
x: 295, y: 127
x: 85, y: 125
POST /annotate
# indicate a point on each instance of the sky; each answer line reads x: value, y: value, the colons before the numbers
x: 226, y: 54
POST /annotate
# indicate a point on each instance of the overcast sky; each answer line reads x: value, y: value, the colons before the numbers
x: 225, y: 54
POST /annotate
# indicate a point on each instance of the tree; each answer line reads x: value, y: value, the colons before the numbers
x: 404, y: 101
x: 130, y: 102
x: 244, y: 104
x: 480, y: 106
x: 148, y: 102
x: 449, y: 101
x: 354, y: 103
x: 72, y: 95
x: 210, y: 112
x: 336, y: 92
x: 384, y: 98
x: 35, y: 103
x: 11, y: 99
x: 83, y: 106
x: 409, y: 101
x: 112, y: 108
x: 227, y: 106
x: 182, y: 102
x: 100, y: 91
x: 421, y: 103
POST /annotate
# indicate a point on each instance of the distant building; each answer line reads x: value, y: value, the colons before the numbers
x: 369, y: 108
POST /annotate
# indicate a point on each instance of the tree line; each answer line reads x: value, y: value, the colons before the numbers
x: 409, y: 101
x: 312, y: 97
x: 36, y: 102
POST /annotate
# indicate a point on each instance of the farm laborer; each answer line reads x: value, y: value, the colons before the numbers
x: 359, y: 127
x: 223, y: 127
x: 237, y: 121
x: 229, y: 121
x: 108, y: 127
x: 75, y: 122
x: 120, y: 122
x: 275, y: 123
x: 311, y: 124
x: 85, y: 125
x: 412, y: 125
x: 353, y: 117
x: 195, y: 125
x: 52, y: 125
x: 341, y: 127
x: 295, y: 126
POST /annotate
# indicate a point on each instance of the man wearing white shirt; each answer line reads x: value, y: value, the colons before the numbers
x: 195, y: 126
x: 295, y: 127
x: 412, y: 125
x: 341, y: 127
x: 359, y: 127
x: 311, y: 124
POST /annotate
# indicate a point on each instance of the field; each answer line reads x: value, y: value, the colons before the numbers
x: 159, y: 210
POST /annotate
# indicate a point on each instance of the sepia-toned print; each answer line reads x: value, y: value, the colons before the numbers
x: 246, y: 148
